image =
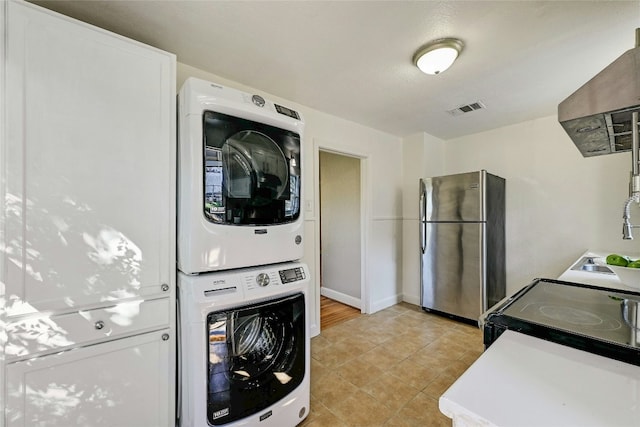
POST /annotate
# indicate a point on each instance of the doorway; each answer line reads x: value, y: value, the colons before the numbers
x: 341, y: 228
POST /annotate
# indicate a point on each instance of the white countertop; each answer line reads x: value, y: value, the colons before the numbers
x: 522, y: 381
x: 592, y: 278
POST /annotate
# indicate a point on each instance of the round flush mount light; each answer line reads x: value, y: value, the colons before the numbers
x: 437, y: 55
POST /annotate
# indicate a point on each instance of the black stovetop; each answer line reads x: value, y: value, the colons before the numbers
x: 600, y: 320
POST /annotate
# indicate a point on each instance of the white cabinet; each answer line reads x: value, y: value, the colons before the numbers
x: 89, y: 163
x: 47, y: 333
x: 87, y: 232
x: 115, y: 384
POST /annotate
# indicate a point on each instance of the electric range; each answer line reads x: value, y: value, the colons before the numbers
x: 598, y: 320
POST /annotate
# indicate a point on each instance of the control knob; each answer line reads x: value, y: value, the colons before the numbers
x: 262, y: 279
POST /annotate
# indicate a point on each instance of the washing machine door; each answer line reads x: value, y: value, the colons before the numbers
x: 256, y: 357
x: 252, y: 173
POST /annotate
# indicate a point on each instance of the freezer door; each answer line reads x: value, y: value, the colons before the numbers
x: 452, y: 269
x: 454, y: 197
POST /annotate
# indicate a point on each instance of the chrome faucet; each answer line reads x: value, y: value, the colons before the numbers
x: 634, y: 182
x: 626, y: 217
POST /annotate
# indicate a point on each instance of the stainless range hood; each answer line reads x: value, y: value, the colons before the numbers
x: 597, y: 116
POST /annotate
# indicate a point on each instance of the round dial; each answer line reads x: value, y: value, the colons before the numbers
x: 262, y: 279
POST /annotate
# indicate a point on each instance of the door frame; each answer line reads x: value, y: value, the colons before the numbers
x: 344, y: 149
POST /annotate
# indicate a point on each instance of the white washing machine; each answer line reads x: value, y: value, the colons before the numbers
x: 239, y: 179
x: 244, y: 351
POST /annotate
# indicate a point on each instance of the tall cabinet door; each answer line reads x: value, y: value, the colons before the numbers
x: 90, y: 179
x: 115, y: 384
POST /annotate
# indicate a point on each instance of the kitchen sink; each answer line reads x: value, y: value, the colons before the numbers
x: 596, y: 268
x: 588, y: 264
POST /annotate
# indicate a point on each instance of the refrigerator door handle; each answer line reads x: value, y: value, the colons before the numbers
x: 423, y: 225
x: 483, y: 268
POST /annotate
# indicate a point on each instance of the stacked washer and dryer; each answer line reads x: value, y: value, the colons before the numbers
x: 242, y: 293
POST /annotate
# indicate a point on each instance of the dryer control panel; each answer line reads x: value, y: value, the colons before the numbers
x: 292, y: 275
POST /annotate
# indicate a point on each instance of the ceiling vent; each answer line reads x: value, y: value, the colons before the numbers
x: 467, y: 108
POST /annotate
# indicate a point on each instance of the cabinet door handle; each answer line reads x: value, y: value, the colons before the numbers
x: 165, y: 337
x: 165, y: 287
x: 99, y: 324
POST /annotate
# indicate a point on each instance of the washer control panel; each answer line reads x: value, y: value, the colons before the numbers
x: 292, y: 275
x: 267, y: 278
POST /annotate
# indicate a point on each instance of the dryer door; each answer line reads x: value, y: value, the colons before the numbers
x: 252, y: 172
x: 256, y: 357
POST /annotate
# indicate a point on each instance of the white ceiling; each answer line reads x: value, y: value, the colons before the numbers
x: 353, y: 59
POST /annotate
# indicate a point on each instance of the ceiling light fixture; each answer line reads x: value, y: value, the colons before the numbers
x: 437, y: 55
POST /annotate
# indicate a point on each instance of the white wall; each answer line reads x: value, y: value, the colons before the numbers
x: 382, y: 156
x: 559, y: 204
x: 423, y: 156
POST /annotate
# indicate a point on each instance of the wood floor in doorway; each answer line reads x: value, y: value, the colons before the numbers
x: 333, y: 312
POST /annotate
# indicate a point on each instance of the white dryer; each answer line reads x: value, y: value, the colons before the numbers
x: 239, y: 179
x: 244, y: 351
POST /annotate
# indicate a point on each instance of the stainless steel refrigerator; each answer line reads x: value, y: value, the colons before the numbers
x: 462, y: 243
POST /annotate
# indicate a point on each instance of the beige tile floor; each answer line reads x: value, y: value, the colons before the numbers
x: 388, y: 369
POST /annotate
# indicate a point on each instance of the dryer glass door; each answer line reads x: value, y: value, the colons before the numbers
x: 252, y: 172
x: 256, y: 357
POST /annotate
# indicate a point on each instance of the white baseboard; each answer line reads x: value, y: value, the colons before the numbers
x: 385, y: 303
x: 376, y: 306
x: 340, y: 297
x: 411, y: 299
